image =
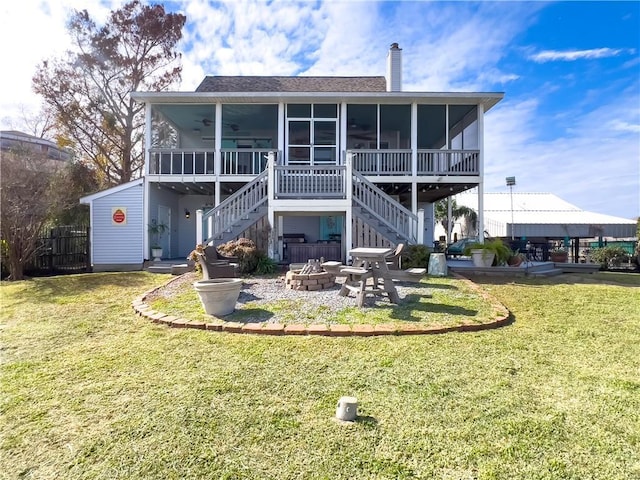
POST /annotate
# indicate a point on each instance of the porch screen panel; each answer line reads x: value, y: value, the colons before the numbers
x: 299, y: 155
x: 299, y: 134
x: 299, y: 110
x: 463, y: 127
x: 432, y: 126
x: 395, y: 126
x: 329, y: 110
x: 362, y: 126
x: 324, y: 133
x: 163, y: 133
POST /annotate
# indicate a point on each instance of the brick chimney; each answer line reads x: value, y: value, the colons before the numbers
x: 394, y: 68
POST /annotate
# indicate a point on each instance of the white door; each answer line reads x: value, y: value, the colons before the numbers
x: 164, y: 216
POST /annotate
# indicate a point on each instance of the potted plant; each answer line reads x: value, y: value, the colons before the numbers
x: 492, y: 252
x: 156, y: 230
x: 558, y: 255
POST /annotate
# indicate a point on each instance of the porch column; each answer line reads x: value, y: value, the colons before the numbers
x: 342, y: 140
x: 481, y: 172
x: 275, y: 221
x: 348, y: 217
x: 145, y: 193
x: 280, y: 230
x: 282, y: 125
x: 199, y: 237
x: 217, y: 163
x: 414, y: 143
x: 271, y: 247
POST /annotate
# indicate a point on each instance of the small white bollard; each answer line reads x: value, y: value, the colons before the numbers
x: 347, y: 409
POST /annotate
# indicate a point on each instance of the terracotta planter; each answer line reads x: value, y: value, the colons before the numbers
x: 482, y: 258
x: 559, y: 257
x: 515, y: 261
x: 218, y: 295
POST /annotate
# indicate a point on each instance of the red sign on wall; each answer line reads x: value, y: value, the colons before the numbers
x: 119, y: 216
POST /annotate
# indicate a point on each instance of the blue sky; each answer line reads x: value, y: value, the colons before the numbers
x: 570, y: 120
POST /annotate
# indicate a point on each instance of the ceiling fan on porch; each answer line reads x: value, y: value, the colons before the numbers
x: 207, y: 122
x: 233, y: 126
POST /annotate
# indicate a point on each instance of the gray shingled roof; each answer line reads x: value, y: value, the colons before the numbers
x: 292, y: 84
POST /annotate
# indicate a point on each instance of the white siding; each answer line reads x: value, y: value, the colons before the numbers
x: 118, y: 244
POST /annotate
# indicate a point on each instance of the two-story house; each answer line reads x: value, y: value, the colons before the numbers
x: 317, y: 165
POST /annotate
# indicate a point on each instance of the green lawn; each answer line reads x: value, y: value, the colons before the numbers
x: 90, y: 390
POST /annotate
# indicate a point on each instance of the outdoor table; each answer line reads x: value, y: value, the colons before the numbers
x: 369, y: 262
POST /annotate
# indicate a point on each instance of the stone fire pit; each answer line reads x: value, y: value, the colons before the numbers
x: 295, y: 280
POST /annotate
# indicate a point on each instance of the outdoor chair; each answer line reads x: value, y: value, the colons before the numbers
x: 216, y: 265
x: 394, y: 261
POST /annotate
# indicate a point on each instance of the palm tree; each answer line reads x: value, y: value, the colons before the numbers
x: 457, y: 211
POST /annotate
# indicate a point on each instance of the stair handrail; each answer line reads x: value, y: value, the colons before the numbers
x: 387, y: 211
x: 234, y: 208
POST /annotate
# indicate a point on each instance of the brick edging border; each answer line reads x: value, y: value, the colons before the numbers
x: 503, y: 317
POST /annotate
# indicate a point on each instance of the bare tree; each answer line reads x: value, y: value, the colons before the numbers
x: 89, y: 89
x: 39, y: 124
x: 25, y: 186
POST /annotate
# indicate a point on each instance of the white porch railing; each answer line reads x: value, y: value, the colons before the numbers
x: 448, y: 162
x: 235, y: 208
x: 297, y: 181
x: 368, y: 162
x: 385, y: 209
x: 181, y: 162
x: 243, y: 161
x: 382, y: 162
x: 235, y: 161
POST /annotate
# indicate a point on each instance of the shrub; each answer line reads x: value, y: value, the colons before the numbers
x: 416, y: 256
x: 610, y: 256
x: 266, y: 265
x: 245, y: 251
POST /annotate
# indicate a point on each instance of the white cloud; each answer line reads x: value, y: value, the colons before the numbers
x: 573, y: 55
x: 594, y: 164
x: 30, y: 32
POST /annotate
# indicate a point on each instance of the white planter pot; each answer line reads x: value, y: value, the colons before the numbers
x: 218, y: 295
x: 482, y: 258
x: 156, y: 253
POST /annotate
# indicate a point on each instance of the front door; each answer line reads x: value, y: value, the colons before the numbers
x: 164, y: 216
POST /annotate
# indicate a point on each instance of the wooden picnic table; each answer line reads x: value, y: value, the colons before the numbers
x: 369, y: 263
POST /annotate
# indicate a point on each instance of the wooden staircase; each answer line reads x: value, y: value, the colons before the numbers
x: 370, y: 205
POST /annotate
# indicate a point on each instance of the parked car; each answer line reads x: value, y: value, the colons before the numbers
x: 456, y: 249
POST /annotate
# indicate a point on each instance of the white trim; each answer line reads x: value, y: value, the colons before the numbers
x: 109, y: 191
x: 488, y: 99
